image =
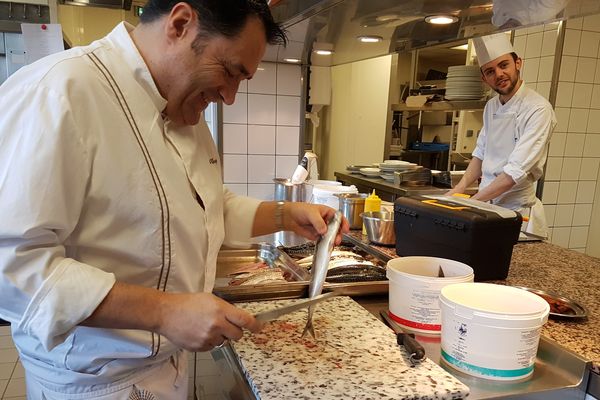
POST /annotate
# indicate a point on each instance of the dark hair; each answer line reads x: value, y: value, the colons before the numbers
x: 222, y: 17
x: 514, y: 56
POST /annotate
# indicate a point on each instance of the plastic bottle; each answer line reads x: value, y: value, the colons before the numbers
x: 372, y: 203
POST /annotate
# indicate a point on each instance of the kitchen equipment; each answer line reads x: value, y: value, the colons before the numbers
x: 355, y: 169
x: 285, y: 190
x: 478, y: 234
x: 414, y: 348
x: 417, y: 177
x: 370, y: 172
x: 372, y: 203
x: 561, y: 307
x: 309, y: 185
x: 352, y: 205
x: 415, y: 285
x: 326, y: 194
x: 380, y: 227
x: 272, y: 314
x: 491, y: 331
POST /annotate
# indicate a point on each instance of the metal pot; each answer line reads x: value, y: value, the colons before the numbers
x: 380, y: 227
x: 352, y: 205
x: 285, y: 190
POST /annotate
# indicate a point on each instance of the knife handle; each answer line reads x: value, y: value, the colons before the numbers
x: 414, y: 348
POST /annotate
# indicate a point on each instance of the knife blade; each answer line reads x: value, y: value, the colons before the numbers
x: 275, y: 313
x: 414, y: 348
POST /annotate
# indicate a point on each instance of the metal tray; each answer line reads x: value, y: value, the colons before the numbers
x: 229, y: 259
x: 571, y: 310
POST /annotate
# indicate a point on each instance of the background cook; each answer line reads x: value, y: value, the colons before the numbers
x: 512, y: 146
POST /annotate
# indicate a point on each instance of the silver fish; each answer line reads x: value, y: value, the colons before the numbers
x: 320, y: 265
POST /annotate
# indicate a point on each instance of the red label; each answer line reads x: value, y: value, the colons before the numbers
x: 416, y: 325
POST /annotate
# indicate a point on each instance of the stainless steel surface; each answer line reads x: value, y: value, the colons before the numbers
x: 383, y: 187
x: 380, y: 227
x: 401, y: 23
x: 558, y: 374
x: 578, y: 311
x: 351, y: 206
x: 420, y: 177
x: 285, y: 190
x: 229, y: 260
x: 594, y: 385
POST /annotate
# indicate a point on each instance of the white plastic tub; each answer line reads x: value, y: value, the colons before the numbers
x: 317, y: 182
x: 325, y: 194
x: 415, y: 288
x: 491, y: 331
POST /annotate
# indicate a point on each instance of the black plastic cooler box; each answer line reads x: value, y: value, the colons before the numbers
x: 459, y: 230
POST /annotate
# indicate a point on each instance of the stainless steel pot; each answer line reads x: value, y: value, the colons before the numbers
x: 285, y: 190
x: 380, y: 227
x: 352, y: 205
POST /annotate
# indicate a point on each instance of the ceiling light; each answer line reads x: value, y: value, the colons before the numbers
x: 370, y: 39
x: 292, y: 60
x: 461, y: 47
x: 324, y: 52
x: 441, y: 19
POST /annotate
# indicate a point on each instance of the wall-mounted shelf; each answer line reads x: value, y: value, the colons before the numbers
x: 467, y: 105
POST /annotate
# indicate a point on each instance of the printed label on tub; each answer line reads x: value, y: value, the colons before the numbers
x: 425, y: 307
x: 492, y: 353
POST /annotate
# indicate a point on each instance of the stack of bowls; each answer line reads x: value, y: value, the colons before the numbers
x: 463, y: 82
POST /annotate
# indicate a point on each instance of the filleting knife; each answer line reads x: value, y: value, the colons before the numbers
x: 275, y: 313
x: 414, y: 348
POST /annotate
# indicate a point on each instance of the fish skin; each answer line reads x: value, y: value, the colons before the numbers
x: 272, y: 275
x: 357, y: 269
x: 366, y: 277
x: 320, y: 266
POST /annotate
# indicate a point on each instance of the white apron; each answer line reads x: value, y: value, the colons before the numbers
x: 500, y: 143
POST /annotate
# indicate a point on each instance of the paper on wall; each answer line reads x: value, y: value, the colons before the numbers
x: 41, y: 40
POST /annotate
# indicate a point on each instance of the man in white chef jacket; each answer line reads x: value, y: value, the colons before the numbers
x: 512, y: 146
x: 113, y: 206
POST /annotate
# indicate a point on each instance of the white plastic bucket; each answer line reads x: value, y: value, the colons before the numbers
x: 325, y: 194
x: 491, y: 331
x: 415, y: 289
x: 310, y: 184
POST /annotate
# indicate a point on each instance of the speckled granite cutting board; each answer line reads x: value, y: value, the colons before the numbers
x: 355, y: 356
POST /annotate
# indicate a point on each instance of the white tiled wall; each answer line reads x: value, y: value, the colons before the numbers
x: 261, y: 130
x: 574, y: 154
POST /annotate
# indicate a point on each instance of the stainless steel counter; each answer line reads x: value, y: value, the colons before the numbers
x: 386, y: 190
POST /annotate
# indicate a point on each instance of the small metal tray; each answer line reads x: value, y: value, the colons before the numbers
x: 560, y: 307
x: 229, y: 260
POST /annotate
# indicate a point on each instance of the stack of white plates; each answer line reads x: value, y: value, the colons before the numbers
x: 464, y: 83
x: 388, y: 167
x: 370, y: 172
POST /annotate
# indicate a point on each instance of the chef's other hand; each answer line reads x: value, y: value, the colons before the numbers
x: 202, y: 321
x: 310, y: 220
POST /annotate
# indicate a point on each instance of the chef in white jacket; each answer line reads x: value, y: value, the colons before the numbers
x: 113, y: 206
x: 512, y: 146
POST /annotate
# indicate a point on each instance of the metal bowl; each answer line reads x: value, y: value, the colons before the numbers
x: 380, y: 227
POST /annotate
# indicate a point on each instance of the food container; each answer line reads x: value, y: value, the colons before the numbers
x: 491, y: 331
x: 325, y: 194
x: 380, y: 227
x: 352, y: 206
x: 415, y: 285
x: 309, y: 185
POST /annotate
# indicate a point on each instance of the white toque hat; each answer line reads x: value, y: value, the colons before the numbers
x: 490, y: 47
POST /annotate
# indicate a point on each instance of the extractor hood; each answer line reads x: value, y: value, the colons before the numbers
x: 120, y: 4
x: 400, y: 25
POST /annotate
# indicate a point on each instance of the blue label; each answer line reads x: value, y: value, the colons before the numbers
x: 500, y: 373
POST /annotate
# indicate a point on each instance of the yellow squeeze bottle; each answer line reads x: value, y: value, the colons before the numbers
x: 372, y: 203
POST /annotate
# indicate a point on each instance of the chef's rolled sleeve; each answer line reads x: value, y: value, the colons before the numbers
x: 530, y: 148
x: 68, y: 296
x: 239, y: 218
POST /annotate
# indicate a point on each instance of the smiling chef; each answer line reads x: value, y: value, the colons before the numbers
x: 512, y: 146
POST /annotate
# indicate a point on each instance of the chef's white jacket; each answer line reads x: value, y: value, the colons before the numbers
x: 96, y: 186
x: 514, y: 140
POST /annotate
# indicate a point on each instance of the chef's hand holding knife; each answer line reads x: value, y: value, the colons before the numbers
x: 203, y: 321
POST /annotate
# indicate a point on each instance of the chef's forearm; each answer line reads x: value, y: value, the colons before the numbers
x: 130, y: 307
x: 472, y: 173
x: 268, y: 217
x: 500, y: 185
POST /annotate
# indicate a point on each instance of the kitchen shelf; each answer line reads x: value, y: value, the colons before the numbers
x: 466, y: 105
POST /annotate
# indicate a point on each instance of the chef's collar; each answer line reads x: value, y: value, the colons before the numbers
x: 121, y: 38
x: 512, y: 100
